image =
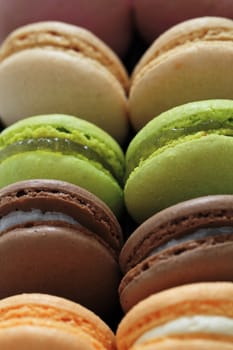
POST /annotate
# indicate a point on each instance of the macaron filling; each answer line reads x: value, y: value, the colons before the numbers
x: 19, y: 217
x: 218, y: 325
x: 174, y: 134
x: 59, y: 145
x: 197, y: 235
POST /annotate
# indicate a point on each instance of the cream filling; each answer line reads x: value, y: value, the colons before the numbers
x: 189, y: 325
x: 19, y: 217
x: 198, y: 234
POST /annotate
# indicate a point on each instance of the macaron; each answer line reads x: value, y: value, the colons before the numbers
x: 64, y: 148
x: 54, y: 67
x: 153, y: 17
x: 184, y: 153
x: 196, y: 316
x: 40, y: 321
x: 189, y: 242
x: 111, y: 21
x: 58, y: 238
x: 191, y: 61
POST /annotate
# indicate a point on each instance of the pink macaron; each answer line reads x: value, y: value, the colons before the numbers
x: 108, y: 19
x: 155, y: 16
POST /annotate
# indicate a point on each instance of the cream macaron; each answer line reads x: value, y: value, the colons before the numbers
x: 190, y: 62
x: 54, y: 67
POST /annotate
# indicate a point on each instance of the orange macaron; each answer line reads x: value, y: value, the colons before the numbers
x: 194, y: 316
x: 40, y: 321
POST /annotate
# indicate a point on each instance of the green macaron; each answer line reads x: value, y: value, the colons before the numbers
x: 183, y: 153
x: 64, y: 148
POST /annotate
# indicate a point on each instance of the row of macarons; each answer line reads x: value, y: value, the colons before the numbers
x: 196, y: 316
x: 184, y: 153
x: 115, y: 21
x: 54, y: 67
x: 61, y: 239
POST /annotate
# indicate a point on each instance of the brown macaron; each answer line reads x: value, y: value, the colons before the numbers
x: 57, y: 238
x: 196, y: 316
x: 189, y: 242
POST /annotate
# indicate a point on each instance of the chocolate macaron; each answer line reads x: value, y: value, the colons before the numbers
x: 58, y: 238
x: 189, y: 242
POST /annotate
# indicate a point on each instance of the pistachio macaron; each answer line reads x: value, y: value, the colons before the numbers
x: 184, y: 153
x: 41, y: 321
x: 64, y: 148
x: 54, y: 67
x: 191, y: 61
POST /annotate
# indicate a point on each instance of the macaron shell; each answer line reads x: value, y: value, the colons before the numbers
x: 155, y: 16
x: 62, y: 261
x: 186, y: 263
x: 48, y: 165
x: 188, y: 170
x: 184, y: 344
x: 64, y: 84
x: 192, y: 76
x: 110, y: 20
x: 205, y: 29
x: 38, y: 314
x: 37, y: 338
x: 72, y: 39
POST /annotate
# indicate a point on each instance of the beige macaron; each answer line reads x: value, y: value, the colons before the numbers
x: 54, y: 67
x: 191, y: 61
x: 183, y: 317
x: 40, y: 321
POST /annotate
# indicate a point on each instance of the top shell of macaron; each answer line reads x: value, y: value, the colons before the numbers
x: 88, y: 136
x: 39, y: 309
x: 66, y: 37
x: 203, y: 29
x: 205, y: 117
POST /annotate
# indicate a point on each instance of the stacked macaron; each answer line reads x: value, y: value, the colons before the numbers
x: 189, y: 242
x: 196, y: 316
x: 64, y: 148
x: 58, y: 238
x: 54, y: 67
x: 191, y: 61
